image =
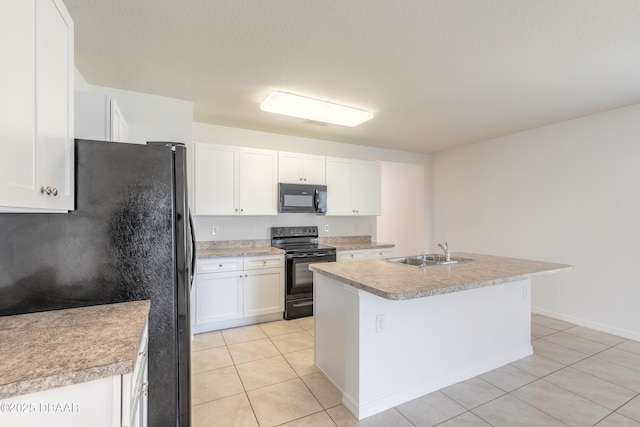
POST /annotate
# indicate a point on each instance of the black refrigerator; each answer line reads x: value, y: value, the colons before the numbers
x: 129, y: 238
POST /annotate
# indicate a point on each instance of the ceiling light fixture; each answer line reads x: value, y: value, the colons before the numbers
x: 313, y: 109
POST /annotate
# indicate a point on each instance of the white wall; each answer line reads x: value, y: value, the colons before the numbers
x: 565, y: 193
x: 237, y: 227
x: 403, y: 207
x: 152, y: 117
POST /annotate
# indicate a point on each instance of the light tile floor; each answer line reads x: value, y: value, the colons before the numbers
x: 263, y: 375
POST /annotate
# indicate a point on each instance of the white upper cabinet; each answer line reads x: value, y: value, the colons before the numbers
x: 235, y: 180
x: 36, y: 88
x: 98, y: 116
x: 353, y: 187
x: 296, y: 168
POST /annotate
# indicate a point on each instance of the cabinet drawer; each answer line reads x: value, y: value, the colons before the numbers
x: 351, y: 255
x: 214, y: 265
x: 380, y: 253
x: 270, y: 261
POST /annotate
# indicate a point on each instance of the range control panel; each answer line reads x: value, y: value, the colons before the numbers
x: 283, y: 232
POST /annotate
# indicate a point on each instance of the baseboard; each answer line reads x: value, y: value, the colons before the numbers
x: 588, y: 324
x: 372, y: 408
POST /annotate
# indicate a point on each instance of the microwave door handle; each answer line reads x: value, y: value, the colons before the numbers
x: 316, y: 200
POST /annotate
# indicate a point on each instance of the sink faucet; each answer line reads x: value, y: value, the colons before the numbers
x: 424, y: 258
x: 445, y: 250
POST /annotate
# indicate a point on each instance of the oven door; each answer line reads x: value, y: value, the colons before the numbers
x: 299, y: 278
x: 299, y: 283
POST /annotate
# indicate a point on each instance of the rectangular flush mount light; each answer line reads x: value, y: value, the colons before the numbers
x: 313, y: 109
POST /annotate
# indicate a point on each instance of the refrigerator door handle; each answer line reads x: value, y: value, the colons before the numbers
x: 193, y: 250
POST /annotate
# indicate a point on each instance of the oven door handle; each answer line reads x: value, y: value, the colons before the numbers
x: 291, y: 256
x: 302, y: 304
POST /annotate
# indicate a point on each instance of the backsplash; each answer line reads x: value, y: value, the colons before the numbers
x: 342, y: 240
x: 232, y: 228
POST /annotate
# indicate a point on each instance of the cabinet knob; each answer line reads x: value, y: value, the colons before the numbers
x: 220, y: 265
x: 305, y: 179
x: 241, y: 210
x: 241, y: 275
x: 264, y: 262
x: 246, y: 275
x: 300, y: 179
x: 236, y: 209
x: 49, y: 191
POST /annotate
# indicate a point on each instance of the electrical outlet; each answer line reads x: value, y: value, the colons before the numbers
x: 381, y: 323
x: 326, y: 228
x: 214, y: 230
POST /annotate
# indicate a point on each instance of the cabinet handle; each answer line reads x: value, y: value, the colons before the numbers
x: 144, y: 388
x: 49, y: 191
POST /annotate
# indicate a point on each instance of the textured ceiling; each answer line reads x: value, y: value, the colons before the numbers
x: 437, y: 73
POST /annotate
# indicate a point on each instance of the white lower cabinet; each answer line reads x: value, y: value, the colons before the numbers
x: 116, y: 401
x: 381, y: 253
x: 238, y: 291
x: 359, y: 254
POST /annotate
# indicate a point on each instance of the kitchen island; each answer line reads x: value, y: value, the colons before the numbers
x: 386, y: 333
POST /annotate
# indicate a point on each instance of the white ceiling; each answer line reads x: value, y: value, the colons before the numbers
x: 436, y: 73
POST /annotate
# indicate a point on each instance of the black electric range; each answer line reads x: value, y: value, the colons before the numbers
x: 301, y: 249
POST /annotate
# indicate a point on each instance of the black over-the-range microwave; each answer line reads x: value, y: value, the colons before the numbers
x: 302, y: 198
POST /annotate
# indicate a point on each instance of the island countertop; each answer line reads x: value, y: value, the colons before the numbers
x: 395, y: 281
x: 62, y: 347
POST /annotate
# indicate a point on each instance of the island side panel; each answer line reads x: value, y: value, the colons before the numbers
x: 336, y: 330
x: 422, y: 345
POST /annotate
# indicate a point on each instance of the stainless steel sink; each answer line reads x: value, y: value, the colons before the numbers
x: 428, y: 260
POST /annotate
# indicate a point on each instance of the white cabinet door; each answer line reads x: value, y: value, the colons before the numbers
x: 258, y: 182
x: 340, y: 187
x: 289, y: 167
x: 263, y: 291
x: 368, y: 188
x: 297, y: 168
x: 219, y: 297
x: 92, y: 403
x: 118, y: 123
x: 216, y: 179
x: 353, y: 187
x: 36, y: 87
x: 98, y: 116
x: 235, y: 181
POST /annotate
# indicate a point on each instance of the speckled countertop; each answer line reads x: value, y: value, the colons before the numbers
x: 401, y: 282
x: 348, y: 243
x: 56, y: 348
x: 233, y: 248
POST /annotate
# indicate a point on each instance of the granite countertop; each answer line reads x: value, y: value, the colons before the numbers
x: 348, y: 243
x: 356, y: 246
x: 234, y: 248
x: 242, y: 251
x: 401, y: 282
x: 56, y: 348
